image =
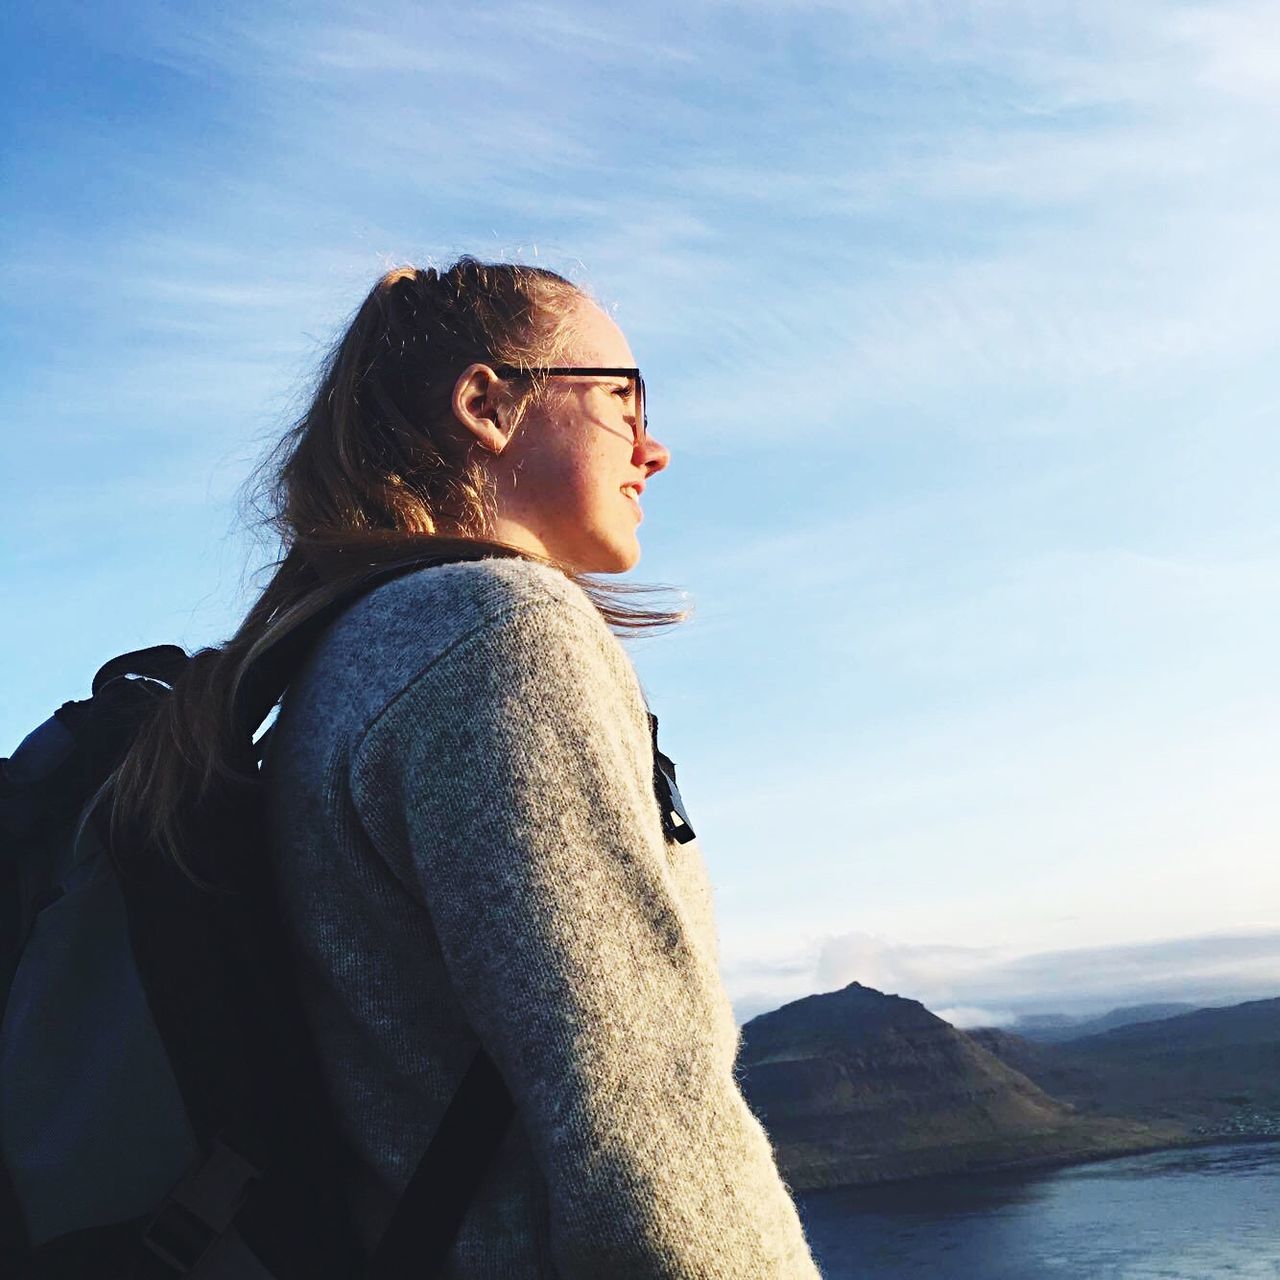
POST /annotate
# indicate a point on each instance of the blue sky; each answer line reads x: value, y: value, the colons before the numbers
x: 959, y: 321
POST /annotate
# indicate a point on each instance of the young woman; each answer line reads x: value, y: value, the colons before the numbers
x: 461, y: 785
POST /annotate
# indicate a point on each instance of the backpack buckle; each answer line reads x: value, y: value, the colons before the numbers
x: 675, y: 819
x: 197, y: 1213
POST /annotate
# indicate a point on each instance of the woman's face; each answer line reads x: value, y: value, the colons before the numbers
x: 566, y: 480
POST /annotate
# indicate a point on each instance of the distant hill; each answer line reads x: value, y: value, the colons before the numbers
x: 858, y: 1086
x: 1055, y: 1027
x: 1211, y: 1070
x: 1252, y: 1023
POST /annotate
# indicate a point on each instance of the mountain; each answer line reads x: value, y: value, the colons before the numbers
x: 1211, y: 1070
x: 1042, y: 1063
x: 1050, y: 1028
x: 1256, y: 1022
x: 858, y: 1086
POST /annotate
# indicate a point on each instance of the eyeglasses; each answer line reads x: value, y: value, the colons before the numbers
x: 588, y: 371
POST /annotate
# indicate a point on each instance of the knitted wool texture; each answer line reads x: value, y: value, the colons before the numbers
x: 469, y: 849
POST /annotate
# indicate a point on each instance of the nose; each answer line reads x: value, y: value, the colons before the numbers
x: 654, y: 455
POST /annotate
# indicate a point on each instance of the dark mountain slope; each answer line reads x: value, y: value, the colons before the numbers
x: 1256, y: 1022
x: 1212, y: 1070
x: 857, y: 1086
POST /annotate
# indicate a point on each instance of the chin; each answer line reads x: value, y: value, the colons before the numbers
x: 611, y: 559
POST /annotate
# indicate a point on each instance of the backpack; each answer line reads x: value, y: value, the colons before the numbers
x: 162, y: 1110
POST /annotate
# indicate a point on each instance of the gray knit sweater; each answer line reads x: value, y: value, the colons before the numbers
x: 470, y: 852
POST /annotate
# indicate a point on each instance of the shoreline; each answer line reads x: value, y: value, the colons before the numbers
x: 1045, y: 1163
x: 1121, y: 1153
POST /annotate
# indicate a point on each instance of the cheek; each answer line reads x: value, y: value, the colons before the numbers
x: 584, y: 466
x: 570, y: 472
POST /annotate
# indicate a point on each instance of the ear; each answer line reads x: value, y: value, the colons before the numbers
x: 475, y: 405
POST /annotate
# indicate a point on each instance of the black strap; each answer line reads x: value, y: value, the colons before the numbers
x: 425, y: 1223
x: 426, y: 1220
x: 675, y: 820
x: 15, y: 1245
x: 218, y: 1087
x: 160, y: 662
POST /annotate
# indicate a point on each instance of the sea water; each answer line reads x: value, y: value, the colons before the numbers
x: 1190, y: 1214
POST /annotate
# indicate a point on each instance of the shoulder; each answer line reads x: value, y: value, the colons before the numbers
x: 408, y: 623
x: 421, y: 629
x: 468, y: 595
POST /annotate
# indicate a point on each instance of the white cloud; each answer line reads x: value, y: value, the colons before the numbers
x: 896, y: 968
x: 977, y: 986
x: 965, y: 1016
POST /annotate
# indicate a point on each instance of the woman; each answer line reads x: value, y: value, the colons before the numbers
x: 465, y: 831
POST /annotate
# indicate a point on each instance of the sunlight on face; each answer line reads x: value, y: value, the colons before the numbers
x: 571, y: 470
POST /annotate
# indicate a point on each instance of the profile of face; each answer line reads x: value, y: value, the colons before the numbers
x: 569, y: 481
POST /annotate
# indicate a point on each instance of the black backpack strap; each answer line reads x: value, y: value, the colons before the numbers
x: 174, y: 930
x: 425, y: 1223
x: 675, y: 820
x: 160, y: 662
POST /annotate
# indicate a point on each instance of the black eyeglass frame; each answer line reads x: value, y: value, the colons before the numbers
x: 588, y: 371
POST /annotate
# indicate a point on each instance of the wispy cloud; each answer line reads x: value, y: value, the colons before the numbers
x: 957, y: 316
